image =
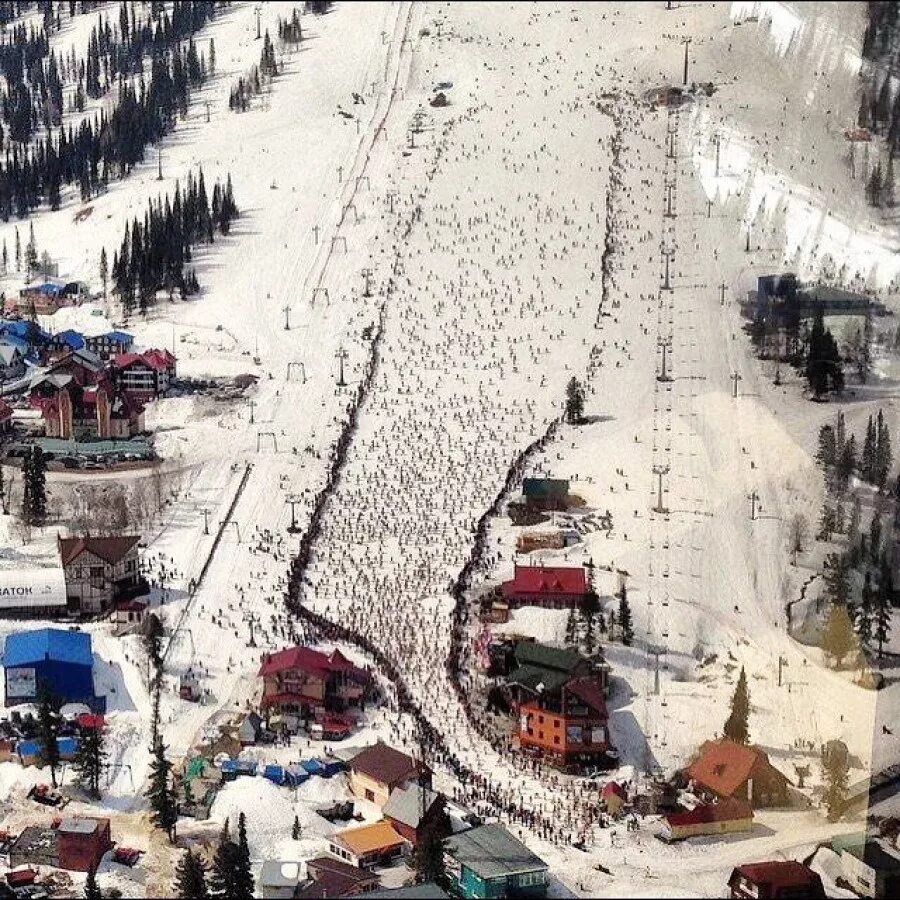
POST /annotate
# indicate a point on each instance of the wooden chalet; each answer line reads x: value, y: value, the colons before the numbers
x: 725, y: 769
x: 551, y: 587
x: 559, y: 698
x: 302, y: 683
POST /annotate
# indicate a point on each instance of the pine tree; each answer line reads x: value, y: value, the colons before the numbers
x: 736, y: 726
x: 31, y: 254
x: 161, y: 792
x: 835, y: 797
x: 243, y: 880
x: 824, y: 370
x: 48, y: 731
x: 571, y: 629
x: 875, y: 537
x: 574, y: 402
x: 838, y: 638
x: 883, y: 607
x: 854, y: 525
x: 18, y: 252
x: 625, y: 623
x: 296, y: 830
x: 863, y: 621
x: 826, y: 524
x: 37, y: 486
x: 428, y: 856
x: 5, y: 259
x: 90, y: 759
x: 223, y: 878
x: 837, y: 578
x: 867, y: 460
x: 104, y: 270
x: 190, y: 878
x: 212, y: 56
x: 91, y: 888
x: 826, y: 455
x: 882, y: 461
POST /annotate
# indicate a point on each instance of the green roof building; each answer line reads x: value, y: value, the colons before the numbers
x: 488, y: 862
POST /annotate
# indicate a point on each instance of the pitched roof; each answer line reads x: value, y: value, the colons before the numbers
x: 587, y: 690
x: 490, y: 851
x: 531, y: 653
x: 385, y: 764
x: 281, y: 873
x: 320, y: 864
x: 110, y: 549
x: 308, y: 660
x: 28, y: 647
x: 723, y: 766
x: 405, y: 804
x: 538, y: 680
x: 369, y: 838
x: 779, y: 873
x: 541, y: 488
x: 546, y: 580
x: 727, y: 810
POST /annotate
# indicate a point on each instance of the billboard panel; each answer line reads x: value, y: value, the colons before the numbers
x: 21, y: 684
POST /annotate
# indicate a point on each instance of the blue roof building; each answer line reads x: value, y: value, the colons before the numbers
x: 51, y: 659
x: 68, y: 339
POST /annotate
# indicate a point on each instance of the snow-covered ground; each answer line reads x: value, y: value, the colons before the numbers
x: 484, y: 233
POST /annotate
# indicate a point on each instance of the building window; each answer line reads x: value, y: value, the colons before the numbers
x: 540, y: 720
x: 370, y: 795
x: 96, y: 571
x: 556, y: 739
x: 540, y: 735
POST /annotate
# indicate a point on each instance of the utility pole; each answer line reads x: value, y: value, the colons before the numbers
x: 709, y: 209
x: 718, y: 140
x: 664, y: 344
x: 293, y: 501
x: 205, y: 512
x: 207, y: 110
x: 367, y: 275
x: 659, y: 471
x: 252, y: 405
x: 159, y: 165
x: 782, y: 662
x: 667, y: 254
x: 341, y: 356
x: 735, y: 378
x: 340, y: 173
x: 316, y: 233
x: 671, y: 150
x: 686, y: 42
x: 670, y: 186
x: 287, y: 317
x: 391, y: 195
x: 722, y: 288
x: 754, y: 499
x: 258, y: 11
x: 747, y: 245
x: 237, y: 527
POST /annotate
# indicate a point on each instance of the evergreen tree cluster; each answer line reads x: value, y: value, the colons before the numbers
x: 839, y: 457
x: 109, y: 144
x: 289, y: 30
x: 153, y: 253
x: 231, y: 877
x: 251, y: 85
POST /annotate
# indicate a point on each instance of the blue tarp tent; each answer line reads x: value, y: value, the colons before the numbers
x: 313, y: 766
x: 275, y: 774
x: 295, y: 775
x: 332, y: 767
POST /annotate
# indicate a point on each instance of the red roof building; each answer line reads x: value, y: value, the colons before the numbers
x: 724, y: 768
x: 145, y: 375
x: 306, y: 682
x: 555, y: 587
x: 780, y: 880
x: 724, y: 817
